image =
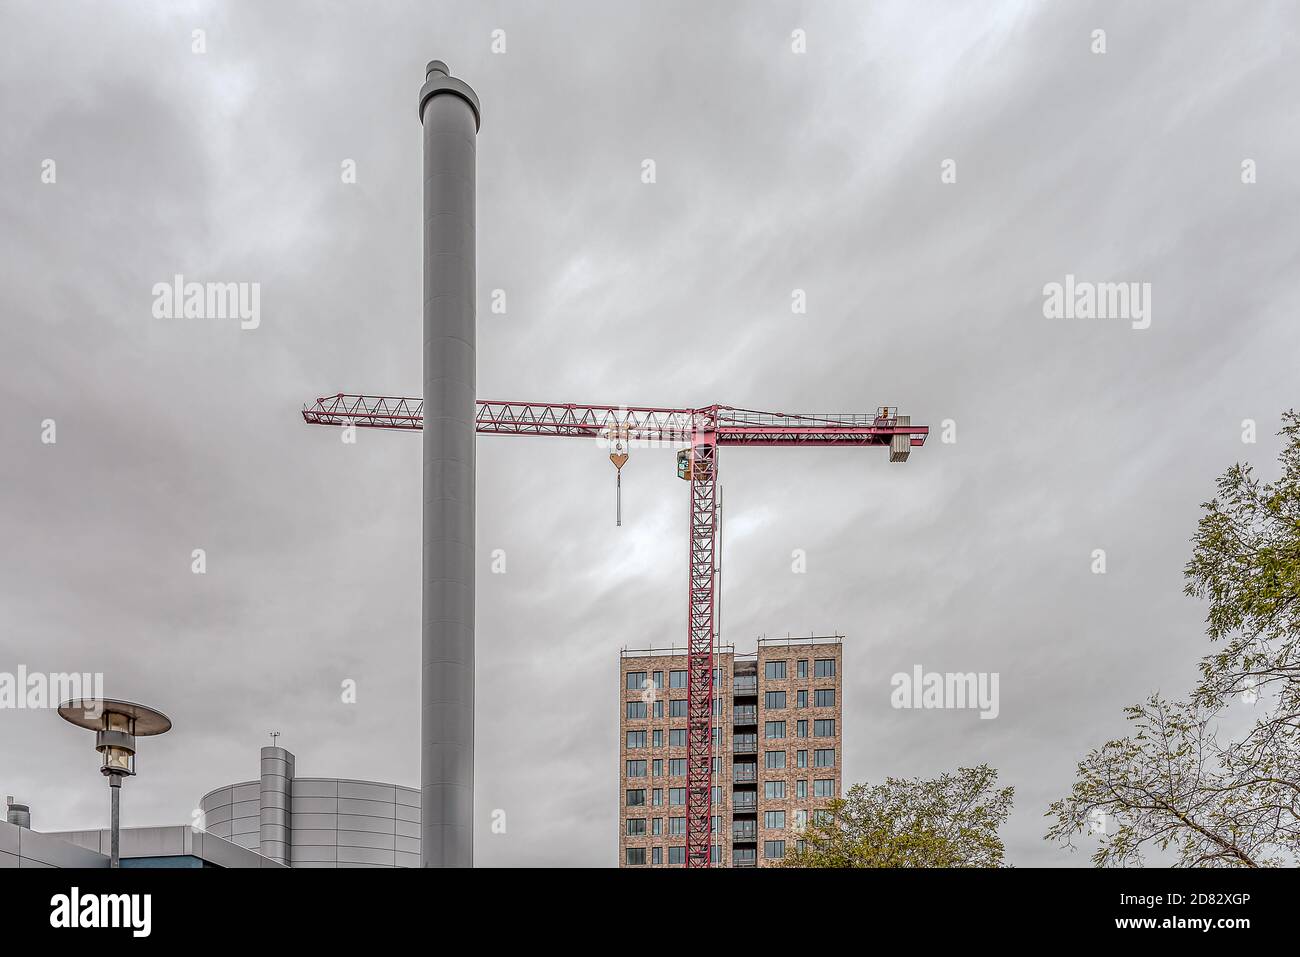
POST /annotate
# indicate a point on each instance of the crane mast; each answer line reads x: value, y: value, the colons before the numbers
x: 702, y: 432
x: 700, y: 609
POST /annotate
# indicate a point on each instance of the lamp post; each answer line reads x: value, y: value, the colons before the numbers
x: 116, y: 725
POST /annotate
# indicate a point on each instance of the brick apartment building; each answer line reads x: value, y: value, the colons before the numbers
x: 777, y: 748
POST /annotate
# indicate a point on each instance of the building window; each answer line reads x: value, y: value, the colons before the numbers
x: 803, y: 729
x: 801, y: 699
x: 824, y: 727
x: 659, y: 680
x: 742, y: 855
x: 676, y: 737
x: 657, y: 797
x: 636, y: 769
x: 801, y: 789
x: 717, y: 738
x: 773, y: 850
x: 658, y: 826
x: 772, y: 670
x: 717, y: 766
x: 717, y: 794
x: 771, y: 759
x: 677, y: 707
x: 824, y: 698
x: 635, y: 855
x: 824, y: 668
x: 775, y: 820
x: 771, y: 729
x: 824, y: 758
x: 800, y: 819
x: 658, y: 856
x: 658, y: 738
x: 715, y: 854
x: 717, y: 708
x: 677, y: 679
x: 677, y: 855
x: 636, y: 797
x: 715, y: 824
x: 636, y: 710
x: 677, y: 797
x: 636, y: 739
x: 773, y: 789
x: 773, y: 700
x: 659, y: 708
x: 800, y: 845
x: 801, y: 759
x: 659, y: 767
x: 824, y: 788
x: 676, y: 825
x: 823, y: 816
x: 677, y: 767
x: 635, y: 827
x: 803, y: 668
x: 635, y: 680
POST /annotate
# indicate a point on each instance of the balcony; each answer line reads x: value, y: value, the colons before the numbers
x: 744, y: 744
x: 745, y: 714
x: 745, y: 684
x: 744, y: 801
x: 744, y: 831
x: 744, y: 773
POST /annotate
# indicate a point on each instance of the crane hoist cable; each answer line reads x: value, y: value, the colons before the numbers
x: 618, y: 456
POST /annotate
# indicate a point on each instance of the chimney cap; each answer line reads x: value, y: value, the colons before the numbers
x: 438, y: 79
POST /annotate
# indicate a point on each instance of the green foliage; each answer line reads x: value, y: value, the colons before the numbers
x: 1173, y: 784
x: 950, y: 821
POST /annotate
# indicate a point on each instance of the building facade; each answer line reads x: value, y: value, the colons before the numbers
x: 139, y: 847
x: 777, y: 750
x: 176, y: 846
x: 278, y: 820
x: 316, y: 822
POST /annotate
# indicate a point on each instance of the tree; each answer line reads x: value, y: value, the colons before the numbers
x: 1180, y: 783
x: 950, y: 821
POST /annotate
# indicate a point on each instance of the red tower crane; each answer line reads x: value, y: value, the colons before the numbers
x: 703, y: 431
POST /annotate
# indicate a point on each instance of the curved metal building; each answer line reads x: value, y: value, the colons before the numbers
x: 316, y: 822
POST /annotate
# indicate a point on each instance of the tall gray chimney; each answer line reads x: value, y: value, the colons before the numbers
x: 449, y: 111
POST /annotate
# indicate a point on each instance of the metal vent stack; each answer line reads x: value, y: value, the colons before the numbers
x: 449, y: 113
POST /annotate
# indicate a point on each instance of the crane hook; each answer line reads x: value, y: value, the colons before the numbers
x: 619, y: 458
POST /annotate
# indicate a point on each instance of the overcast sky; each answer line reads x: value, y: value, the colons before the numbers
x: 775, y: 171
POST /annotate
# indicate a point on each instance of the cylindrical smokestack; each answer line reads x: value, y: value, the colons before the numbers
x: 19, y: 815
x: 275, y: 823
x: 449, y: 111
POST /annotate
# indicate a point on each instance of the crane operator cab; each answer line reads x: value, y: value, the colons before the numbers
x: 684, y: 464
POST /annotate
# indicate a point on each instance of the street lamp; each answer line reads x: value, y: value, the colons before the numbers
x: 116, y: 725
